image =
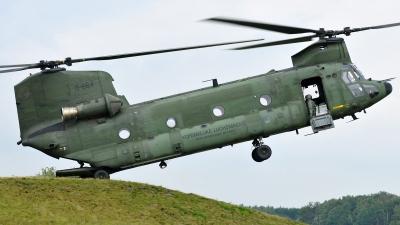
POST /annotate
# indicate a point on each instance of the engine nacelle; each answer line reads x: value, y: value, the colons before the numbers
x: 99, y: 107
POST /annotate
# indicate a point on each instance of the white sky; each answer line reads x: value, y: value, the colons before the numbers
x: 356, y: 158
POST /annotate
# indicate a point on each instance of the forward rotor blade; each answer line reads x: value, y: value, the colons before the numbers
x: 283, y: 42
x: 389, y: 79
x: 120, y: 56
x: 265, y: 26
x: 376, y: 27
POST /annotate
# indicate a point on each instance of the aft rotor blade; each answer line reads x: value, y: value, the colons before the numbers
x: 68, y: 61
x: 282, y: 42
x: 265, y: 26
x: 19, y: 65
x: 120, y: 56
x: 15, y: 70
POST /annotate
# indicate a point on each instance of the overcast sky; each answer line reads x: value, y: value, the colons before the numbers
x: 356, y: 158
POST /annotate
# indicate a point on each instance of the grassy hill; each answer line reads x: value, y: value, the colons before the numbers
x: 37, y: 200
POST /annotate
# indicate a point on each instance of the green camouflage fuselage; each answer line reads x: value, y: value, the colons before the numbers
x: 95, y: 140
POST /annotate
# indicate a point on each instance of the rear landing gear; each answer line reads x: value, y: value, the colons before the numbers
x: 81, y: 163
x: 260, y: 152
x: 101, y: 174
x: 86, y: 172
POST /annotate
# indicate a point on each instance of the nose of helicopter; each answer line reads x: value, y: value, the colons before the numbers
x: 388, y: 88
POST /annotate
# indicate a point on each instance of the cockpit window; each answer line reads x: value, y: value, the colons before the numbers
x: 371, y: 90
x: 348, y: 77
x: 356, y: 75
x: 357, y: 71
x: 354, y: 70
x: 351, y: 75
x: 344, y: 77
x: 356, y: 90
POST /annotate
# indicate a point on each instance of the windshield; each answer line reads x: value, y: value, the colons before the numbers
x: 351, y: 68
x: 357, y: 71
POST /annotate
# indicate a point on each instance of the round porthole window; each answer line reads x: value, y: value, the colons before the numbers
x: 124, y: 133
x: 265, y: 100
x: 218, y: 111
x: 171, y: 122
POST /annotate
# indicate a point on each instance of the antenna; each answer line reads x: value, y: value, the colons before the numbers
x: 215, y: 82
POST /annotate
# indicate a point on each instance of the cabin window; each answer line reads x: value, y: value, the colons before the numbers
x: 218, y: 111
x: 356, y: 90
x: 171, y: 122
x: 265, y: 100
x: 124, y: 133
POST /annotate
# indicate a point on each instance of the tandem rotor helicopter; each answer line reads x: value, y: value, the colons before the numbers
x: 78, y: 115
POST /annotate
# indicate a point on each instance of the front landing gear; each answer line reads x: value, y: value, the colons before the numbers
x: 260, y: 152
x: 162, y: 164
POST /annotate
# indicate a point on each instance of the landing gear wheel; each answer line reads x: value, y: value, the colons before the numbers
x: 101, y: 174
x: 261, y: 153
x: 254, y: 156
x: 264, y: 152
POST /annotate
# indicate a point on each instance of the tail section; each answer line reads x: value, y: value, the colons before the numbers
x: 41, y: 96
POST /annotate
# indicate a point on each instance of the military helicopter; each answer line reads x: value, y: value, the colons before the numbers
x: 78, y: 115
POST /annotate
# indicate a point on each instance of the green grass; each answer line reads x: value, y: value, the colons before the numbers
x: 38, y: 200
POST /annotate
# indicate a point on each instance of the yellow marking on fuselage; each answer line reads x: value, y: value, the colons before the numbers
x: 338, y: 106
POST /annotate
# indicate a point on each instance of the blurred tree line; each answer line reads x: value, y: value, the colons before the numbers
x: 375, y: 209
x: 291, y: 213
